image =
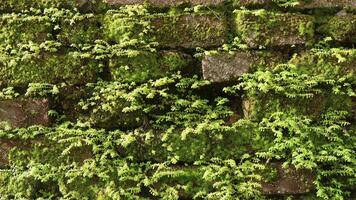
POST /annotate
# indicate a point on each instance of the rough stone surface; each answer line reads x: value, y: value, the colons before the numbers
x: 24, y: 113
x: 166, y: 3
x: 327, y: 4
x: 261, y: 29
x: 226, y: 67
x: 17, y: 28
x: 181, y: 31
x: 303, y: 4
x: 289, y: 181
x: 147, y: 65
x: 342, y: 28
x: 5, y: 147
x: 223, y: 67
x: 190, y: 31
x: 46, y: 67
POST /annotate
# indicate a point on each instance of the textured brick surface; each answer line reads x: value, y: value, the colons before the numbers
x: 289, y: 181
x: 327, y: 4
x: 24, y: 113
x: 17, y: 28
x: 342, y: 28
x: 223, y: 67
x: 47, y: 67
x: 147, y: 65
x: 303, y: 4
x: 269, y: 29
x: 165, y: 3
x: 187, y: 31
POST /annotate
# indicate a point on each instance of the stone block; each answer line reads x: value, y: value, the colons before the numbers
x: 289, y: 181
x: 224, y: 67
x: 341, y: 29
x: 181, y: 31
x: 23, y: 28
x: 47, y: 67
x: 302, y: 4
x: 166, y: 3
x: 24, y: 113
x: 21, y: 5
x: 265, y: 29
x: 144, y: 65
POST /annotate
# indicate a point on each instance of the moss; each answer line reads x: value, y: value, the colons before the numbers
x: 23, y: 28
x: 20, y: 5
x: 331, y: 63
x: 260, y: 28
x: 47, y: 67
x: 342, y: 29
x: 188, y: 30
x: 146, y: 65
x: 80, y: 29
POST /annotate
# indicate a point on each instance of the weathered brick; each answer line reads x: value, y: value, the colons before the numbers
x: 302, y: 4
x: 252, y: 3
x: 333, y: 63
x: 20, y: 5
x: 327, y: 4
x: 165, y: 3
x: 341, y: 28
x: 17, y: 28
x: 51, y: 154
x: 260, y: 28
x: 222, y: 67
x: 147, y: 65
x: 289, y: 181
x: 46, y: 67
x: 24, y: 113
x: 187, y: 31
x: 5, y: 147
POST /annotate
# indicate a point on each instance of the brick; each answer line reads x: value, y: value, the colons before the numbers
x: 223, y: 67
x: 341, y: 29
x: 80, y: 29
x: 263, y: 29
x: 47, y: 67
x: 327, y: 4
x: 254, y: 3
x: 53, y: 150
x: 165, y: 3
x: 334, y: 63
x: 289, y: 181
x: 159, y: 146
x: 147, y: 65
x: 5, y: 147
x: 24, y: 113
x: 187, y: 31
x: 22, y: 28
x: 303, y: 4
x: 82, y: 5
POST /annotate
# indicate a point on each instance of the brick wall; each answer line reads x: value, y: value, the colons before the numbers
x: 60, y: 62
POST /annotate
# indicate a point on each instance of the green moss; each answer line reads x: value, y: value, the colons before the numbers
x: 187, y: 30
x: 23, y: 28
x: 342, y: 28
x: 260, y: 28
x: 144, y: 66
x: 20, y: 5
x: 79, y: 29
x: 47, y: 67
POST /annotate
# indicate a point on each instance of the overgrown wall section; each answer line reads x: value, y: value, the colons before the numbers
x: 178, y: 99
